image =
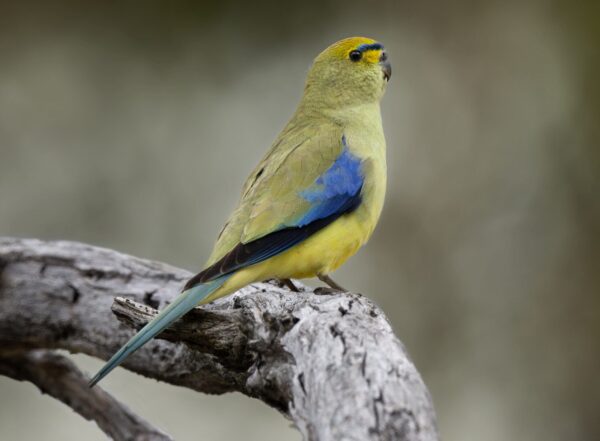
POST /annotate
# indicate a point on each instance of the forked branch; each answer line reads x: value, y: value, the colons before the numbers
x: 331, y: 363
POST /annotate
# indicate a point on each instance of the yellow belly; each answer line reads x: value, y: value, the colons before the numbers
x: 322, y: 253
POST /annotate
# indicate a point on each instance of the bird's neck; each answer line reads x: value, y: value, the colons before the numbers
x: 366, y: 115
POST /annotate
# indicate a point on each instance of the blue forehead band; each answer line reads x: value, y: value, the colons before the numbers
x: 370, y: 47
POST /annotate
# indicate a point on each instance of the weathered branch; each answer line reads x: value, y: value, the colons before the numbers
x: 329, y: 362
x: 58, y: 377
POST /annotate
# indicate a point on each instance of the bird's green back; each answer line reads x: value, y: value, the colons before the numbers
x: 271, y: 197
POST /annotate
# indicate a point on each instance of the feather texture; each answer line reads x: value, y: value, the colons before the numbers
x: 334, y: 193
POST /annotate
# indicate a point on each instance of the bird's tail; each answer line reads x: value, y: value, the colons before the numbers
x: 186, y: 301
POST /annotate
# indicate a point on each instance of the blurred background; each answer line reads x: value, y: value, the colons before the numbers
x: 132, y: 125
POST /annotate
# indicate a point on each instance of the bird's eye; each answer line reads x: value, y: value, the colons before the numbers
x: 355, y: 55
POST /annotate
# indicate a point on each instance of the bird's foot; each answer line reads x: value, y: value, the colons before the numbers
x: 329, y: 281
x: 287, y: 283
x: 326, y: 291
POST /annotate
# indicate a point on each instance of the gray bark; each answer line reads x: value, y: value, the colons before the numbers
x: 58, y: 377
x: 330, y: 362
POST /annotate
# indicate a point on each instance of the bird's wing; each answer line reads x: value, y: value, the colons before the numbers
x: 293, y: 193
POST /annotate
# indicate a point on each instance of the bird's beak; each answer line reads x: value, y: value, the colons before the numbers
x: 386, y: 67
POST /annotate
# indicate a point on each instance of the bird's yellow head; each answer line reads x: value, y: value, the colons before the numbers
x: 352, y: 71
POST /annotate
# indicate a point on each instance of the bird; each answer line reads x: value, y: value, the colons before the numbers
x: 315, y: 197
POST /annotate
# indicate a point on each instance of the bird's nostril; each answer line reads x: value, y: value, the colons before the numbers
x: 383, y: 56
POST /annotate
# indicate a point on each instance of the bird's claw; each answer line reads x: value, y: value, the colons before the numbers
x: 325, y: 291
x: 286, y: 283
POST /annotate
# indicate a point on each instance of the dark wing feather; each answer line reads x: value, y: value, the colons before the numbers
x: 244, y: 255
x: 335, y: 192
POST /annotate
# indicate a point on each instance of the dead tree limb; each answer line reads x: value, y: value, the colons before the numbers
x: 331, y: 363
x: 58, y: 377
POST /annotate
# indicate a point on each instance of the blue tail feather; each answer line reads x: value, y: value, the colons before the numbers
x: 182, y: 304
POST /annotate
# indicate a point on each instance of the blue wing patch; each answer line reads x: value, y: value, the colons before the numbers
x: 334, y: 189
x: 333, y: 194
